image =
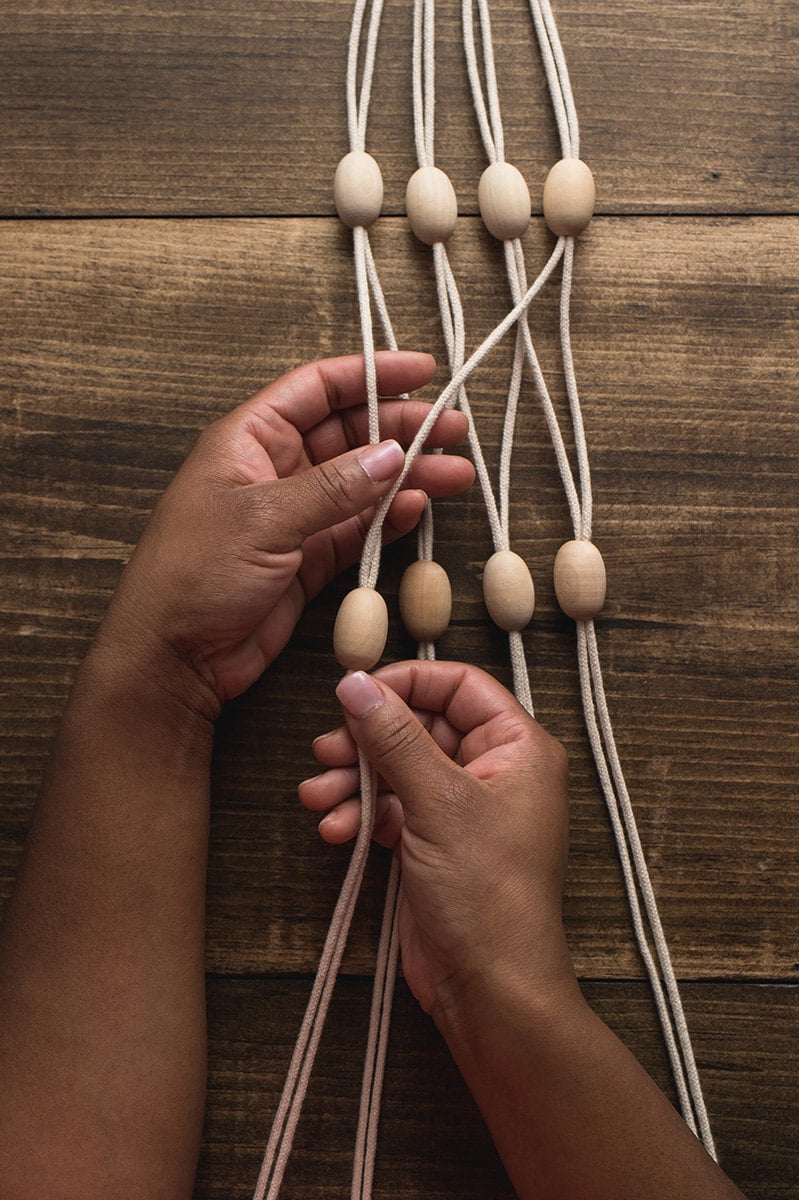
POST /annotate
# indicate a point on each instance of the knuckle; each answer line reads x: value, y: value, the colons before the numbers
x: 331, y: 484
x: 551, y: 755
x: 399, y: 739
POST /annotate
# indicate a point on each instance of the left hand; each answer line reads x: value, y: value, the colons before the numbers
x: 271, y: 504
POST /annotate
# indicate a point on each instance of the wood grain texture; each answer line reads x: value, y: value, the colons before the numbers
x: 433, y: 1143
x: 206, y: 108
x: 122, y: 339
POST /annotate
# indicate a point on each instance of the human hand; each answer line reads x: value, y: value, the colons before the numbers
x: 472, y: 793
x: 273, y: 501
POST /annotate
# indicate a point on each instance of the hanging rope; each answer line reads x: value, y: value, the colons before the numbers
x: 579, y: 500
x: 635, y: 872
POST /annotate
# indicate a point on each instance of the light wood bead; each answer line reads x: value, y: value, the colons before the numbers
x: 508, y: 590
x: 504, y: 200
x: 432, y: 205
x: 361, y: 629
x: 580, y: 580
x: 425, y: 600
x: 569, y: 197
x: 358, y: 189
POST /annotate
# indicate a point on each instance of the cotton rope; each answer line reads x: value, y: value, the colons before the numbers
x: 597, y: 716
x: 284, y: 1125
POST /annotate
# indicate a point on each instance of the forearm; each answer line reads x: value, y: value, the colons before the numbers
x: 102, y: 1017
x: 572, y: 1113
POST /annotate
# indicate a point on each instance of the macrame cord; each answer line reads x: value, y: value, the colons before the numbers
x: 597, y: 716
x: 579, y: 572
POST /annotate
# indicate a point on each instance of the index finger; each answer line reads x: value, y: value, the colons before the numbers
x: 473, y: 702
x: 308, y: 394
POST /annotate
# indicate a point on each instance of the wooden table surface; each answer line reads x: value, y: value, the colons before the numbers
x: 168, y: 244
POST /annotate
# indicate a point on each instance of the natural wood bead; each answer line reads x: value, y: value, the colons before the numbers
x: 508, y: 590
x: 425, y: 600
x: 358, y: 189
x: 580, y: 580
x: 432, y: 205
x: 361, y: 629
x: 569, y: 197
x: 504, y: 200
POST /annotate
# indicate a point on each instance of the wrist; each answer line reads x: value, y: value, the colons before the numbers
x: 147, y: 693
x: 507, y: 995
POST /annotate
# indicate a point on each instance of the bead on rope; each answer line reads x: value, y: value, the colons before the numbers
x: 361, y: 629
x: 580, y: 580
x: 358, y: 189
x: 431, y: 205
x: 508, y: 590
x: 569, y: 197
x: 504, y: 200
x: 425, y: 600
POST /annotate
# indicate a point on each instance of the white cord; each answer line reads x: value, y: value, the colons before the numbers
x: 669, y: 1005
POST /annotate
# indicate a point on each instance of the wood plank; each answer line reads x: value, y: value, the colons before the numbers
x: 122, y: 339
x: 238, y: 108
x: 432, y: 1142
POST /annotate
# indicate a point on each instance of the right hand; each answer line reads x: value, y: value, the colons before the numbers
x: 473, y: 796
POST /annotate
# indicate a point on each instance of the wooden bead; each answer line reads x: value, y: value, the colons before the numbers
x: 508, y: 590
x: 432, y: 205
x: 425, y: 600
x: 569, y: 197
x: 580, y: 580
x: 361, y: 629
x: 504, y: 200
x: 358, y: 189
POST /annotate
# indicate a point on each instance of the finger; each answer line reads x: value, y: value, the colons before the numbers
x: 339, y: 749
x: 284, y: 512
x: 336, y: 748
x: 440, y: 474
x: 467, y: 696
x: 344, y: 822
x: 493, y: 725
x: 325, y: 791
x: 399, y: 419
x: 430, y: 786
x: 328, y: 553
x: 307, y: 395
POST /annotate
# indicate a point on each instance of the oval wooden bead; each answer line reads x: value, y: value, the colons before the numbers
x: 580, y: 580
x: 569, y: 197
x: 432, y: 205
x: 358, y: 189
x: 361, y: 629
x: 508, y: 590
x: 504, y: 200
x: 425, y: 600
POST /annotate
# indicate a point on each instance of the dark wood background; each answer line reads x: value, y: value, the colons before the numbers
x: 168, y: 243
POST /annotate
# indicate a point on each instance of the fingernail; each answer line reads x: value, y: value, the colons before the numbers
x: 383, y: 461
x: 322, y: 737
x: 359, y: 694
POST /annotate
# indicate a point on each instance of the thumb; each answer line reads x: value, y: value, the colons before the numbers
x: 330, y: 492
x: 396, y: 743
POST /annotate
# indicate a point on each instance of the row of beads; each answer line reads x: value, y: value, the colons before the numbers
x: 502, y: 194
x: 425, y: 600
